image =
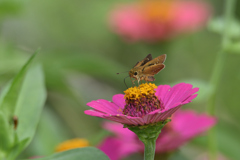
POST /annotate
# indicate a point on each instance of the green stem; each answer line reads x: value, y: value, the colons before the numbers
x: 149, y: 149
x: 148, y: 134
x: 216, y: 75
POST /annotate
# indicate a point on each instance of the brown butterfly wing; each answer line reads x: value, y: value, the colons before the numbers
x: 149, y: 78
x: 144, y: 61
x: 153, y: 69
x: 157, y: 60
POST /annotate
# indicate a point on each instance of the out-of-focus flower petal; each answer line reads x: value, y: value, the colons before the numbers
x: 184, y: 126
x: 154, y: 20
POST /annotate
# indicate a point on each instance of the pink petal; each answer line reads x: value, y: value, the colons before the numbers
x: 119, y: 100
x: 118, y: 129
x: 175, y: 93
x: 127, y: 21
x: 171, y: 92
x: 158, y: 115
x: 192, y: 97
x: 178, y: 93
x: 184, y: 126
x: 111, y: 146
x: 161, y: 91
x: 120, y: 119
x: 190, y: 16
x: 188, y: 94
x: 93, y: 113
x: 185, y: 122
x: 104, y: 106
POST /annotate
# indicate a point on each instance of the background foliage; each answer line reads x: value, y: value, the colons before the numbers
x: 80, y: 57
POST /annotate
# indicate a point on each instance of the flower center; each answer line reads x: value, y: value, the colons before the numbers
x: 157, y: 10
x: 72, y: 144
x: 141, y: 100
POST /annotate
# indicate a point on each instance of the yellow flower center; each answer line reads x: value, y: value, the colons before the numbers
x: 145, y: 89
x: 141, y: 100
x: 72, y: 144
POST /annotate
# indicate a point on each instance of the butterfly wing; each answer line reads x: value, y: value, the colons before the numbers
x: 149, y: 78
x: 157, y: 60
x: 153, y: 69
x: 144, y: 61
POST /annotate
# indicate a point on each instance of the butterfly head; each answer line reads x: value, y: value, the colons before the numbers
x: 134, y: 73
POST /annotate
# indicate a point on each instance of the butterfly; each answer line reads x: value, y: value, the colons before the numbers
x: 147, y: 68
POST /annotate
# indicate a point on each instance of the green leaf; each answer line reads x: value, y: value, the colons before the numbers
x: 9, y: 8
x: 11, y: 93
x: 234, y: 47
x: 30, y: 103
x: 24, y: 98
x: 99, y: 67
x: 4, y: 92
x: 17, y: 149
x: 87, y: 153
x: 49, y: 134
x: 6, y: 140
x: 226, y: 136
x: 217, y: 25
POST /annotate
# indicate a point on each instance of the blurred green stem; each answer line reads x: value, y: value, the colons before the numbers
x: 216, y: 74
x: 149, y: 149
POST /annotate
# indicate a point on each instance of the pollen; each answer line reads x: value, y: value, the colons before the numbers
x: 140, y: 91
x: 141, y: 100
x: 72, y: 144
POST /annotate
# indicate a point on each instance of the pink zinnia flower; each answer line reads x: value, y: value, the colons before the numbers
x: 184, y: 126
x: 153, y: 20
x: 147, y: 104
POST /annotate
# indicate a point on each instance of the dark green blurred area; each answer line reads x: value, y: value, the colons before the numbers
x: 81, y: 57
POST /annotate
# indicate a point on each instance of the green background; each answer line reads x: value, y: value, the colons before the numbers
x: 80, y: 56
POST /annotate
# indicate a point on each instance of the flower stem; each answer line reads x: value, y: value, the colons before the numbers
x: 149, y: 149
x: 148, y: 134
x: 217, y: 72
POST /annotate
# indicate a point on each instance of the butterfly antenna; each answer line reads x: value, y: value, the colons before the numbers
x: 122, y: 72
x: 125, y: 82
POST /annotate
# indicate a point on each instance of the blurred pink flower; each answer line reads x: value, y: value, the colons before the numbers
x: 153, y: 106
x: 154, y: 20
x: 184, y: 126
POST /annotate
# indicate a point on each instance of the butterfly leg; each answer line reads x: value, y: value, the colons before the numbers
x: 138, y: 85
x: 133, y: 84
x: 138, y: 81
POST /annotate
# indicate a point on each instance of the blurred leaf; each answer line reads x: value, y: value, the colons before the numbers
x: 6, y: 140
x: 8, y: 7
x: 97, y: 66
x: 204, y: 88
x: 234, y: 47
x: 30, y: 103
x: 24, y: 97
x: 11, y: 59
x: 227, y: 143
x: 217, y: 25
x: 177, y: 156
x: 9, y: 101
x: 9, y: 98
x: 17, y: 149
x: 4, y: 91
x: 226, y: 137
x: 50, y: 132
x: 99, y: 137
x: 88, y: 153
